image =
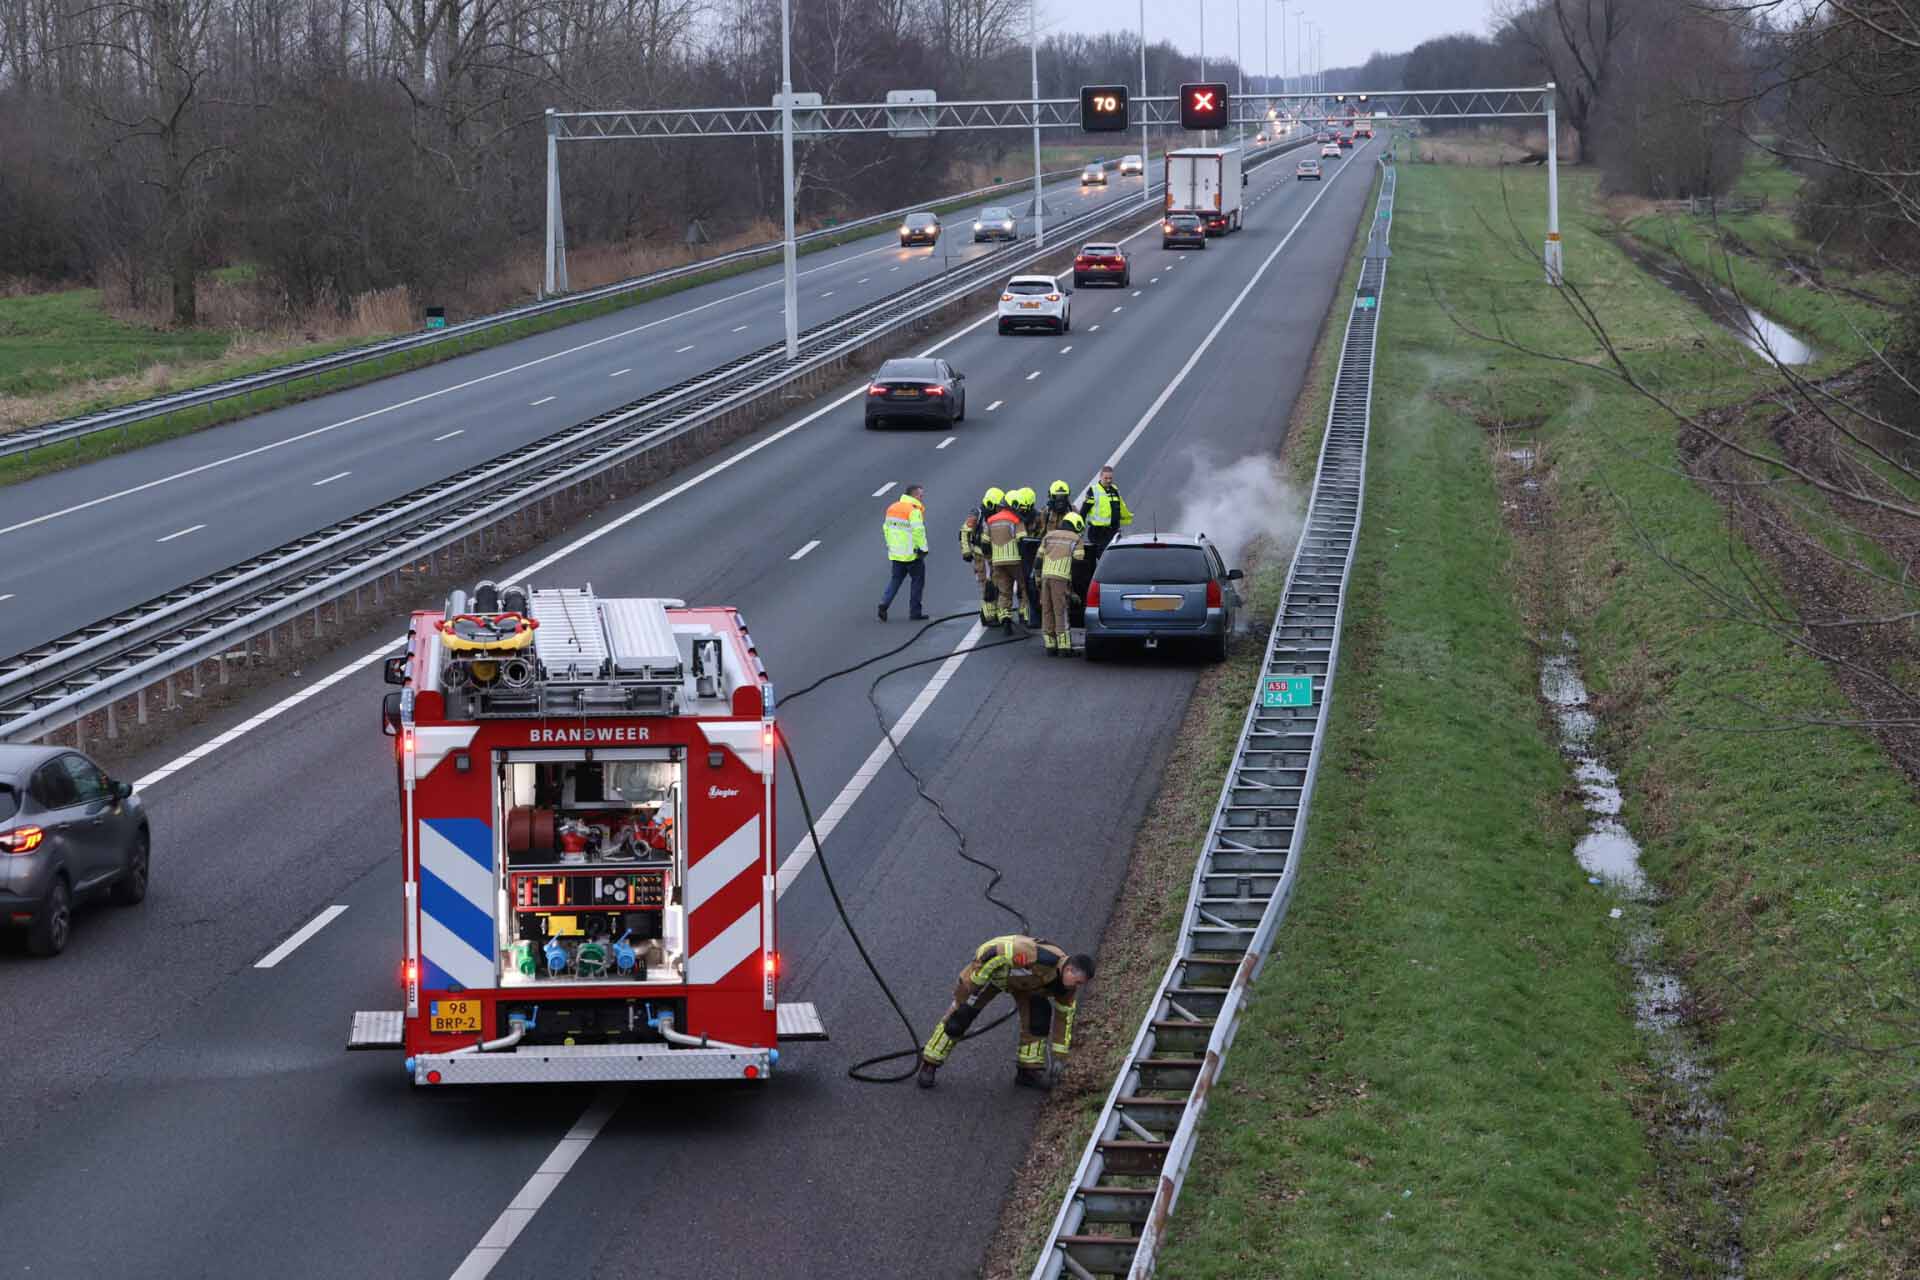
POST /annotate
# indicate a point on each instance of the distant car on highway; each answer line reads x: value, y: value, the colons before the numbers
x: 919, y: 228
x: 1132, y: 166
x: 67, y: 832
x: 1323, y: 136
x: 1155, y: 588
x: 1330, y: 150
x: 996, y: 222
x: 1102, y: 261
x: 1094, y: 175
x: 1035, y: 302
x: 1307, y: 169
x: 1345, y: 140
x: 918, y: 390
x: 1179, y: 229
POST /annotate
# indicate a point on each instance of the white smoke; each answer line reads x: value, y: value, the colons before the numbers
x: 1236, y: 503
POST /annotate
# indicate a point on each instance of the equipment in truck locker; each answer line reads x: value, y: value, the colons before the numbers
x: 587, y: 842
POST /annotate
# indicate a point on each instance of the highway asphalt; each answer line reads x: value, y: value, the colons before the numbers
x: 78, y: 545
x: 171, y: 1109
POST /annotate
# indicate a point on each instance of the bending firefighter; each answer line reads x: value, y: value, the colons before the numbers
x: 1044, y: 982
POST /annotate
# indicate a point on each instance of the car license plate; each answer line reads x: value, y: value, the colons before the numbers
x: 1029, y: 306
x: 453, y: 1015
x: 907, y: 393
x: 1156, y: 604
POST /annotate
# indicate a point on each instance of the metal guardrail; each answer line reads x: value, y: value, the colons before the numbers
x: 52, y: 685
x: 1115, y: 1213
x: 74, y: 428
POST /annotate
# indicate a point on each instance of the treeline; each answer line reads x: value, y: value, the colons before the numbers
x: 344, y: 146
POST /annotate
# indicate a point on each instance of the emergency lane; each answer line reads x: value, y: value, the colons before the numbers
x: 829, y: 1162
x: 64, y: 537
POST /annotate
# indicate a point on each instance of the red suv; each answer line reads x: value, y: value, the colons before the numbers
x: 1106, y: 262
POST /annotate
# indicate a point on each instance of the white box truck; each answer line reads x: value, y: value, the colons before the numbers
x: 1206, y: 181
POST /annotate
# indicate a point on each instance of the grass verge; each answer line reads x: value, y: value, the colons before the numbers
x: 1439, y: 1074
x: 1435, y: 1075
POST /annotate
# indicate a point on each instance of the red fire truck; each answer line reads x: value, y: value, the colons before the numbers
x: 587, y: 798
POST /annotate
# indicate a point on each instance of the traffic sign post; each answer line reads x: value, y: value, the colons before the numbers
x: 1288, y: 691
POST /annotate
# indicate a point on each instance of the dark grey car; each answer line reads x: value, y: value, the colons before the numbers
x: 1160, y: 587
x: 919, y: 390
x: 67, y: 832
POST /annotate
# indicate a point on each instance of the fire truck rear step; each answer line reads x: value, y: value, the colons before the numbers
x: 376, y: 1029
x: 801, y: 1021
x: 592, y: 1063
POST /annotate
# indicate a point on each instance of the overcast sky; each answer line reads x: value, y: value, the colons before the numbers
x: 1351, y: 31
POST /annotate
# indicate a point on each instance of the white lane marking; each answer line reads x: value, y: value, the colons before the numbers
x: 884, y: 488
x: 542, y: 400
x: 402, y: 404
x: 1093, y: 328
x: 1155, y: 280
x: 338, y: 475
x: 1136, y: 293
x: 738, y: 328
x: 995, y: 405
x: 1066, y: 348
x: 802, y: 854
x: 621, y: 373
x: 457, y: 431
x: 802, y: 551
x: 1033, y: 375
x: 6, y: 597
x: 181, y: 533
x: 559, y: 1163
x: 680, y: 351
x: 827, y: 294
x: 1118, y: 308
x: 306, y: 931
x: 893, y: 268
x: 943, y: 444
x: 863, y: 279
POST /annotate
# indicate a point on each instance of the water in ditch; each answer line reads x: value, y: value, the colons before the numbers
x: 1610, y: 856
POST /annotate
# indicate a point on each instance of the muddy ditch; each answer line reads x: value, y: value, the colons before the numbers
x: 1757, y: 331
x: 1686, y: 1129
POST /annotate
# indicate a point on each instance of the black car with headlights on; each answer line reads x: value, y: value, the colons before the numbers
x: 67, y: 832
x: 1183, y: 229
x: 996, y: 222
x: 1155, y: 588
x: 916, y: 391
x: 919, y: 228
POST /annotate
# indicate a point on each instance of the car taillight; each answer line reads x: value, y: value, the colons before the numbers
x: 1006, y: 297
x: 22, y: 839
x: 876, y: 391
x: 936, y: 391
x: 1083, y: 262
x: 1213, y: 595
x: 1093, y: 595
x: 1053, y: 297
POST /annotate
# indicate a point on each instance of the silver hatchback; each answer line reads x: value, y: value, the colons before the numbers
x: 67, y: 831
x: 1162, y: 587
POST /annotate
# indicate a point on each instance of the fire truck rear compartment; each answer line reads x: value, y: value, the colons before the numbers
x: 629, y: 1021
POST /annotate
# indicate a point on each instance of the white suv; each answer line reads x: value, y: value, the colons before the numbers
x: 1132, y: 166
x: 1035, y: 302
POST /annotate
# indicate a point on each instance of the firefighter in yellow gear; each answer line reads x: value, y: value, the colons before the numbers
x: 1022, y: 500
x: 1059, y: 506
x: 1054, y: 570
x: 1003, y: 558
x: 973, y: 547
x: 1044, y: 982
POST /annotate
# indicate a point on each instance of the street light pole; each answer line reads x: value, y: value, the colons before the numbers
x: 1033, y: 47
x: 1146, y: 150
x: 1240, y: 64
x: 791, y: 280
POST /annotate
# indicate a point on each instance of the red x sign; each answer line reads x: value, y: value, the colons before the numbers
x: 1203, y: 106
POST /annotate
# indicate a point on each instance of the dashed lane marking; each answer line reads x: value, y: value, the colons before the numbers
x: 542, y: 400
x: 995, y: 405
x: 802, y: 551
x: 944, y: 443
x: 338, y: 475
x: 181, y: 533
x: 883, y: 489
x: 457, y: 431
x: 306, y: 931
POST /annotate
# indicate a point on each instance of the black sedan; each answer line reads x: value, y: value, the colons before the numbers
x: 1183, y: 229
x: 67, y: 832
x: 916, y: 390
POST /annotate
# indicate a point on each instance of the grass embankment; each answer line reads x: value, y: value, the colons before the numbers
x: 1440, y: 1073
x: 1760, y: 256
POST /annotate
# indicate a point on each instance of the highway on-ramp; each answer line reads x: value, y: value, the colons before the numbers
x: 173, y: 1109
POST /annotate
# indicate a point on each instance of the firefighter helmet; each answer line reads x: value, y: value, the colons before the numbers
x: 1073, y: 521
x: 994, y: 497
x: 1060, y: 489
